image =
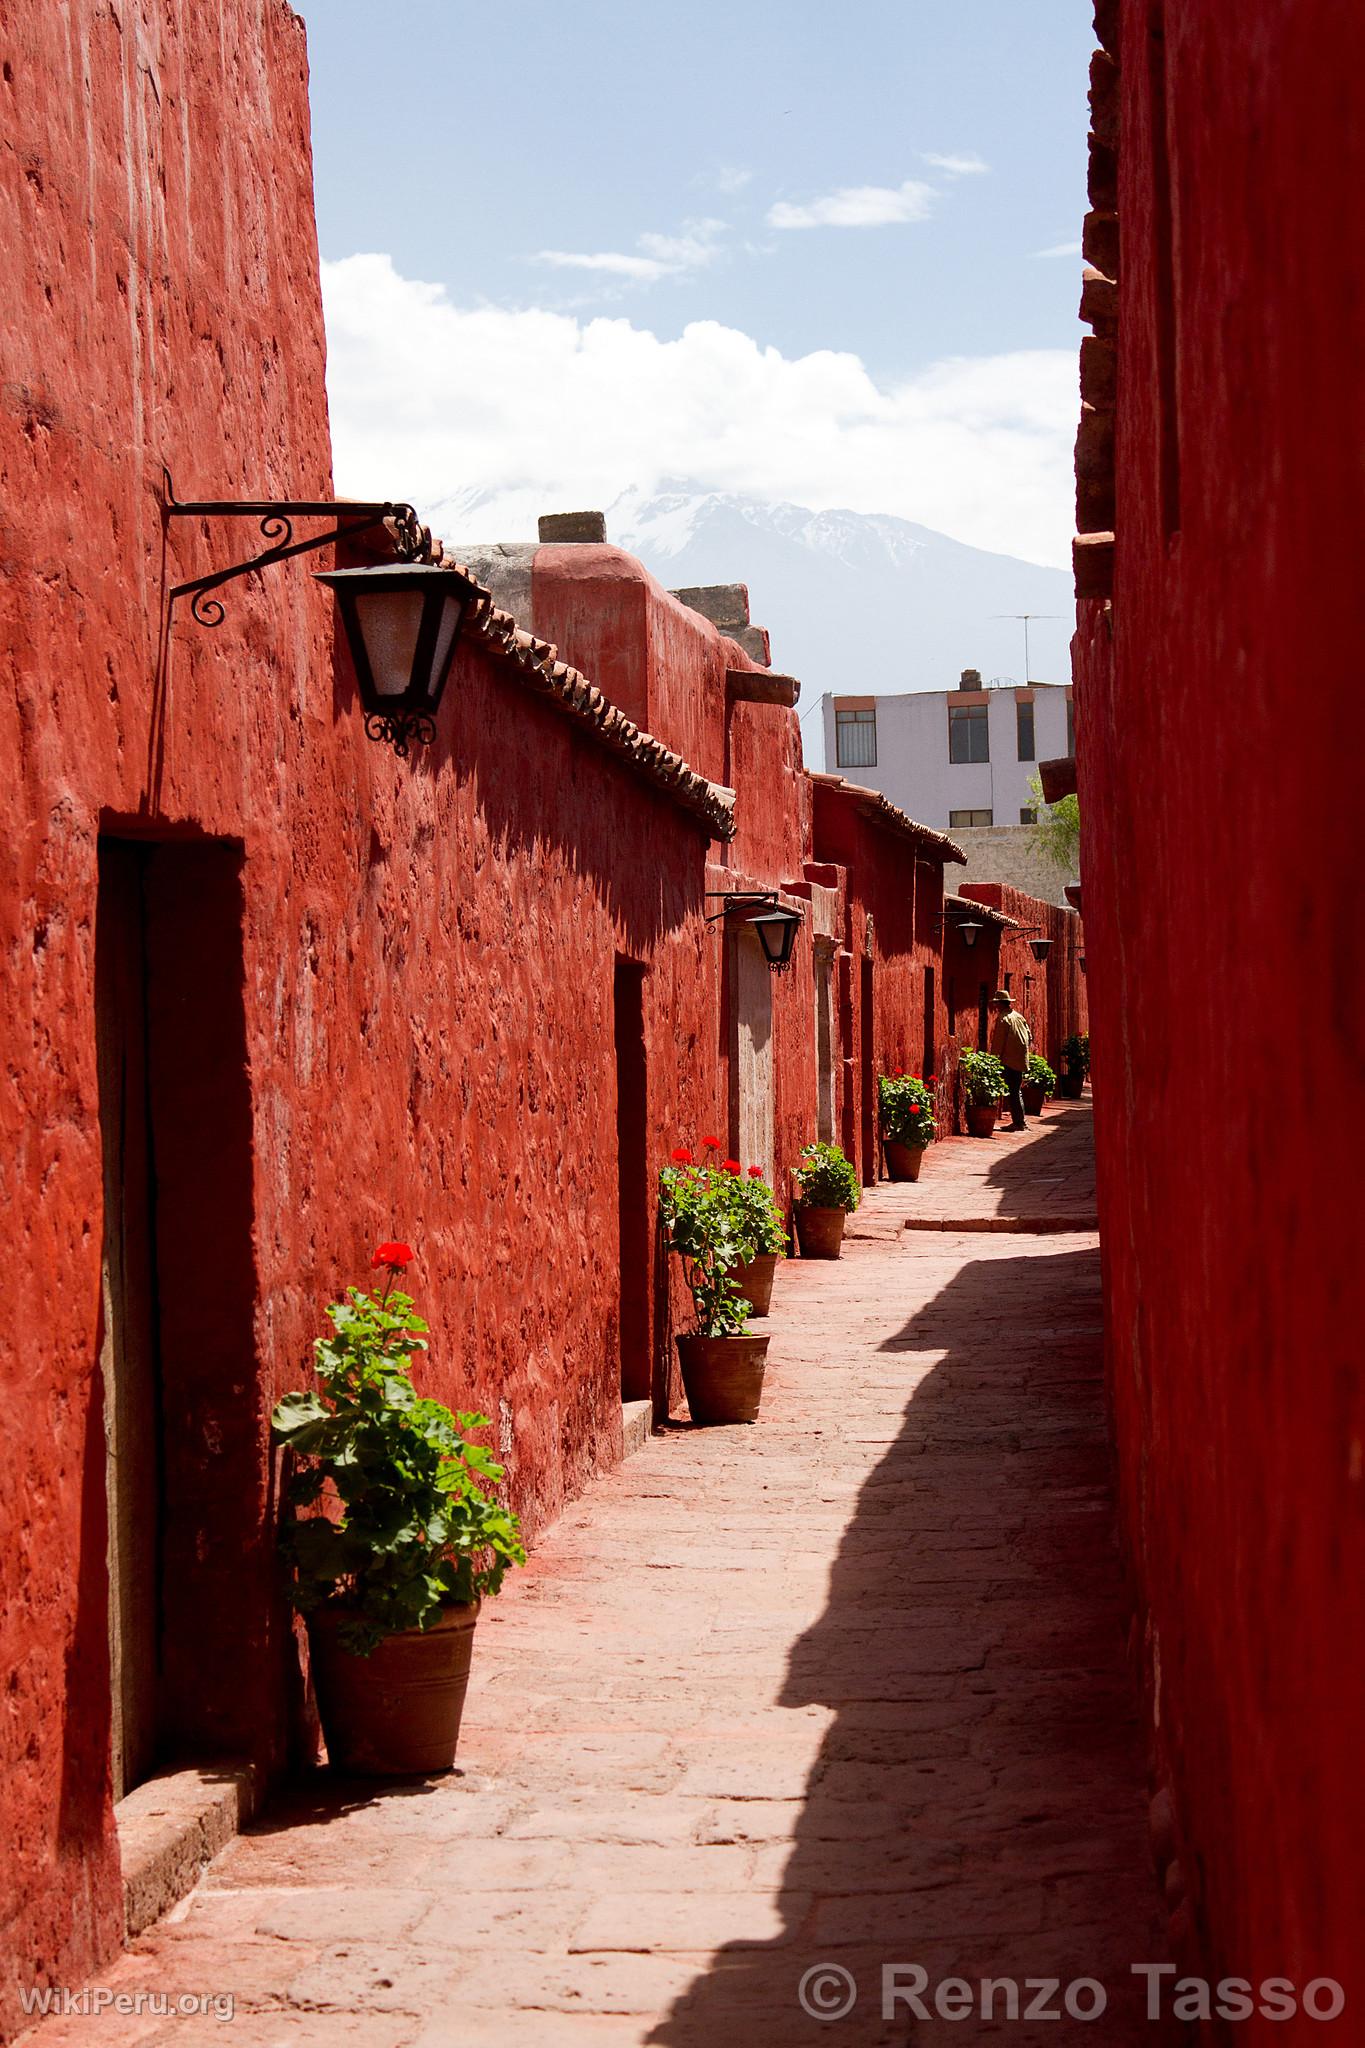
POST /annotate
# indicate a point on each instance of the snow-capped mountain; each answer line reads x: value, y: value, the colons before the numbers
x: 854, y: 602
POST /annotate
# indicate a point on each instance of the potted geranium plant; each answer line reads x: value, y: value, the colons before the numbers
x: 761, y: 1232
x: 1039, y: 1082
x: 399, y: 1539
x: 984, y: 1088
x: 1076, y: 1062
x: 827, y: 1194
x: 722, y: 1365
x: 907, y: 1116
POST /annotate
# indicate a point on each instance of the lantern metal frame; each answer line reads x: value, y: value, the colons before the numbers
x: 969, y: 929
x: 402, y: 717
x: 773, y: 916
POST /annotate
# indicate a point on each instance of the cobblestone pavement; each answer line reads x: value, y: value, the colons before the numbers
x: 846, y: 1687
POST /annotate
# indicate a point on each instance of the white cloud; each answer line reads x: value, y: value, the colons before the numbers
x: 647, y: 269
x: 966, y: 165
x: 1060, y: 249
x: 663, y: 255
x: 858, y: 206
x: 732, y: 178
x: 430, y: 399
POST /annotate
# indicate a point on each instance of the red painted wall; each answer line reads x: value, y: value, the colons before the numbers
x: 893, y: 897
x: 1218, y: 703
x: 1052, y: 993
x: 422, y: 953
x: 157, y: 315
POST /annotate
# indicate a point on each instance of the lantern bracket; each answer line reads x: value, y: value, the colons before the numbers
x: 275, y: 517
x: 771, y: 914
x: 742, y: 899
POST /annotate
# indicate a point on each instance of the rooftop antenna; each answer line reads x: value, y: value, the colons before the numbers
x: 1026, y: 616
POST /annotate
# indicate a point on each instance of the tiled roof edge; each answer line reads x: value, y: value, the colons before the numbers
x: 536, y: 665
x: 872, y: 804
x: 987, y: 912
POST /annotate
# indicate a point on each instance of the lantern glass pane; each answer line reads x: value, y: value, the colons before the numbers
x: 389, y: 623
x: 451, y: 609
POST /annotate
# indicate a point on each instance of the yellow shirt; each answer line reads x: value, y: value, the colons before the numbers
x: 1011, y: 1040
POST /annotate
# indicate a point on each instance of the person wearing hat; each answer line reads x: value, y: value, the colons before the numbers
x: 1011, y: 1042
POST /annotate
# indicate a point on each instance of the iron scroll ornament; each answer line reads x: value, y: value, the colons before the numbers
x: 400, y: 729
x: 275, y: 519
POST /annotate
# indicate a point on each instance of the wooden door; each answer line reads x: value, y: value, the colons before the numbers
x: 128, y: 1350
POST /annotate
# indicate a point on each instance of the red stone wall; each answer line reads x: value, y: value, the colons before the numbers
x: 893, y: 899
x: 422, y: 953
x: 1218, y: 703
x: 1052, y: 994
x: 666, y: 665
x: 161, y: 307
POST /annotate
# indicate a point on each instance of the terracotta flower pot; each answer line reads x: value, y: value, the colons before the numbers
x: 395, y: 1713
x: 1071, y: 1086
x: 820, y: 1232
x: 903, y: 1162
x: 1034, y: 1098
x: 755, y: 1281
x: 723, y: 1376
x: 981, y: 1118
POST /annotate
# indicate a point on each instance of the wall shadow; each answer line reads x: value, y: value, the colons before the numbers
x: 978, y: 1804
x: 1060, y: 1151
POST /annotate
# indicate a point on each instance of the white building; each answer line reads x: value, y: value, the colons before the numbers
x: 953, y: 759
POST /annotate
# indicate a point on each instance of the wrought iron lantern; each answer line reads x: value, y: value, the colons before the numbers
x: 776, y: 925
x: 777, y: 929
x: 969, y: 931
x: 402, y: 618
x: 1040, y: 948
x: 402, y: 623
x: 1081, y: 958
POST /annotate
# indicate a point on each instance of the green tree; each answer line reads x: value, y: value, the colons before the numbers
x: 1057, y: 831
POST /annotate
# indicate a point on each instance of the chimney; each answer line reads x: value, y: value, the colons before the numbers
x: 584, y: 526
x: 727, y: 605
x: 970, y: 679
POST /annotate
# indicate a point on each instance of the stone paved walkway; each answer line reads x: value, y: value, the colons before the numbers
x: 843, y: 1688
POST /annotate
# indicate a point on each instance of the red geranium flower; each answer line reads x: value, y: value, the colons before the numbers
x: 681, y: 1156
x: 394, y: 1256
x: 731, y: 1165
x: 714, y: 1143
x: 755, y: 1173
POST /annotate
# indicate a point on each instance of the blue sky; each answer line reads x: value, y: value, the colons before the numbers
x: 828, y: 218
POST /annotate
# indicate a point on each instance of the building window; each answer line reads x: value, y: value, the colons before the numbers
x: 970, y: 818
x: 1028, y: 815
x: 855, y: 735
x: 1023, y: 720
x: 968, y: 733
x: 1070, y: 728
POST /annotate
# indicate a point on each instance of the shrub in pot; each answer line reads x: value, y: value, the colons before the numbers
x: 1076, y: 1061
x: 827, y: 1193
x: 1039, y: 1082
x: 399, y: 1541
x: 906, y: 1106
x: 984, y: 1088
x: 761, y: 1232
x: 722, y: 1365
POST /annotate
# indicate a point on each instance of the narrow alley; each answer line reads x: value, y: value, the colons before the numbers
x: 844, y: 1689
